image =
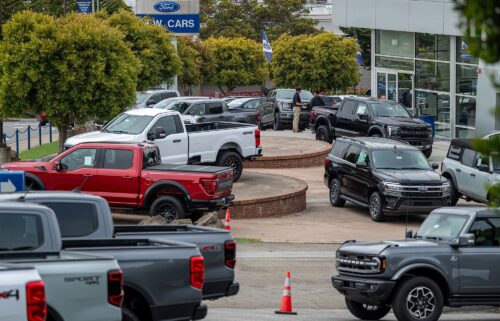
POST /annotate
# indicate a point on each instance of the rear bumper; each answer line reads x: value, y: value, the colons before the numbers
x: 369, y: 291
x: 184, y: 312
x: 212, y: 205
x: 216, y: 290
x: 258, y: 153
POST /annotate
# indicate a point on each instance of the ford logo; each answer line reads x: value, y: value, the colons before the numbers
x: 167, y: 6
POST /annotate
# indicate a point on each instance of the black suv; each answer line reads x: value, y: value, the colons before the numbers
x: 358, y: 116
x: 387, y: 176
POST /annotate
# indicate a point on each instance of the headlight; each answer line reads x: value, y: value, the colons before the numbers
x: 393, y: 188
x: 446, y: 187
x: 392, y: 130
x: 429, y: 131
x: 286, y: 106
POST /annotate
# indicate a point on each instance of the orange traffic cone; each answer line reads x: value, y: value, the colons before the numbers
x: 286, y: 300
x: 227, y: 221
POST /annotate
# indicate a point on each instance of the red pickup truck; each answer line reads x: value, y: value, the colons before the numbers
x: 132, y: 176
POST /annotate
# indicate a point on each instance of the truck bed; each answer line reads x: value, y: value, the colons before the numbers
x: 210, y: 126
x: 188, y: 168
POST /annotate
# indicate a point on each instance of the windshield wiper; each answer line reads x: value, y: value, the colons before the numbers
x: 118, y: 132
x: 388, y: 168
x: 437, y: 238
x: 414, y: 168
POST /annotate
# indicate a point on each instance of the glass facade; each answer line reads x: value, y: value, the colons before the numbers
x: 432, y: 47
x: 432, y: 75
x: 395, y: 43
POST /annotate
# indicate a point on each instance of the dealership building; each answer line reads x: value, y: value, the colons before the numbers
x: 420, y: 59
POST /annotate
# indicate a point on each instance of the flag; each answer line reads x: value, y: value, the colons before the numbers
x: 268, y: 51
x: 359, y: 58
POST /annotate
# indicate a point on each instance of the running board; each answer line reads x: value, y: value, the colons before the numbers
x: 473, y: 300
x: 347, y: 198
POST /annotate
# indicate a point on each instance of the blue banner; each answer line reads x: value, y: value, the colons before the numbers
x: 268, y: 50
x: 181, y: 23
x: 84, y: 6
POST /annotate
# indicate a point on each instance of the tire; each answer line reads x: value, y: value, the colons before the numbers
x: 323, y: 134
x: 169, y: 207
x: 375, y: 207
x: 129, y: 315
x: 334, y: 194
x: 233, y: 160
x: 428, y: 152
x: 366, y: 311
x: 376, y: 134
x: 277, y: 125
x: 262, y: 126
x: 31, y: 185
x: 414, y: 291
x: 453, y: 192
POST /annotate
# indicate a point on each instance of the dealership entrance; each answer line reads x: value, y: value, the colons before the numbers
x: 396, y: 86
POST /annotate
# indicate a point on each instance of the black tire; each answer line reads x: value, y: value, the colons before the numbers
x: 366, y: 311
x: 334, y: 194
x: 427, y: 152
x: 453, y: 192
x: 129, y: 315
x: 31, y: 185
x: 416, y: 296
x: 169, y: 207
x: 262, y: 126
x: 375, y: 207
x: 233, y: 160
x: 277, y: 125
x: 323, y: 134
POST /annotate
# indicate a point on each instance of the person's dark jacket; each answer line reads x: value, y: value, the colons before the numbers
x: 296, y: 100
x: 317, y: 101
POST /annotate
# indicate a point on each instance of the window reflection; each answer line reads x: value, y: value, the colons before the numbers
x: 467, y: 80
x: 466, y: 111
x: 432, y: 75
x: 433, y: 47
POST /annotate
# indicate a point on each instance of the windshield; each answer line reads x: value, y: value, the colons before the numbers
x: 141, y: 97
x: 179, y: 106
x: 441, y: 226
x: 288, y: 94
x: 389, y: 110
x: 237, y: 102
x: 128, y: 124
x: 400, y: 159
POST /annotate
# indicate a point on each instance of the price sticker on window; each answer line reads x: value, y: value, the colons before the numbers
x: 362, y: 157
x: 88, y: 161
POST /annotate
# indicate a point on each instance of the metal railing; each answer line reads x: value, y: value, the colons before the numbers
x: 28, y: 131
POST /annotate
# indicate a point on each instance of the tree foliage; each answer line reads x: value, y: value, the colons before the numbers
x: 112, y: 6
x: 75, y: 66
x: 190, y: 73
x: 364, y: 39
x: 323, y: 61
x: 234, y: 62
x: 152, y: 45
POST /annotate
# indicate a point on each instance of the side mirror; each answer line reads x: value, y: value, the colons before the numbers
x: 468, y: 239
x: 363, y: 117
x: 362, y: 165
x: 151, y: 102
x: 57, y: 167
x: 408, y: 234
x: 484, y: 168
x: 435, y: 165
x: 159, y: 133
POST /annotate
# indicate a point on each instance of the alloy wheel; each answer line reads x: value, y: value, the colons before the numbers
x: 168, y: 212
x: 421, y: 303
x: 374, y: 206
x: 233, y: 164
x: 334, y: 192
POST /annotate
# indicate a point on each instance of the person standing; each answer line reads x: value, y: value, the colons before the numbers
x: 317, y: 100
x: 297, y: 105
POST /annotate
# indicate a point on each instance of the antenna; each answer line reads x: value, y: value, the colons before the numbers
x: 79, y: 188
x: 23, y: 197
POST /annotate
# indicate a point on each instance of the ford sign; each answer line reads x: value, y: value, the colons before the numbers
x: 167, y: 6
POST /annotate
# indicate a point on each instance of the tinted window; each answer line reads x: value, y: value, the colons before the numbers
x: 169, y: 95
x: 167, y: 123
x: 352, y: 154
x: 118, y: 159
x: 362, y: 109
x: 454, y: 152
x: 364, y: 157
x: 384, y: 109
x: 338, y: 149
x: 215, y: 108
x: 486, y: 231
x: 75, y: 219
x: 197, y: 110
x: 151, y: 157
x: 348, y: 107
x: 468, y: 157
x: 397, y: 159
x: 80, y: 158
x: 20, y: 232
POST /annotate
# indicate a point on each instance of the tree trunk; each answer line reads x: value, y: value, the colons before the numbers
x: 2, y: 143
x: 63, y: 135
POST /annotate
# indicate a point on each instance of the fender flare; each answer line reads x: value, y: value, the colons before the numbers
x: 322, y: 120
x: 53, y: 313
x: 453, y: 177
x: 164, y: 183
x: 412, y: 266
x: 376, y: 128
x: 145, y: 295
x: 34, y: 178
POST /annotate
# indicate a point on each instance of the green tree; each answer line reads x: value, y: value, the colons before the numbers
x: 323, y: 61
x: 75, y: 66
x: 364, y: 38
x: 190, y: 73
x: 152, y: 45
x: 112, y: 6
x: 234, y: 62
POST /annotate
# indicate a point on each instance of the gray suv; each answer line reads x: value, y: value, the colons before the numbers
x: 470, y: 174
x: 148, y: 99
x: 451, y: 261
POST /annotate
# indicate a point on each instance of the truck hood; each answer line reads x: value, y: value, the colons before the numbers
x: 401, y: 122
x: 411, y: 177
x: 26, y: 165
x: 376, y: 248
x: 98, y: 136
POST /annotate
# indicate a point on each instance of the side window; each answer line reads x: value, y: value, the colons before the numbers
x: 118, y: 159
x: 80, y: 158
x: 251, y: 104
x: 364, y: 157
x: 156, y: 97
x: 20, y: 231
x: 486, y: 231
x: 215, y: 108
x: 167, y: 123
x: 454, y: 153
x: 75, y: 219
x: 362, y: 109
x: 468, y: 157
x: 338, y: 149
x: 197, y: 110
x: 170, y: 94
x: 348, y: 107
x: 352, y: 154
x: 482, y: 160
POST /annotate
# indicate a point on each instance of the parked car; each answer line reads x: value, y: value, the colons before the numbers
x: 470, y: 174
x: 131, y: 176
x: 358, y: 116
x: 78, y: 209
x: 150, y: 98
x: 386, y: 176
x: 79, y: 287
x: 169, y: 101
x: 211, y: 143
x: 451, y: 261
x: 22, y: 294
x: 277, y: 110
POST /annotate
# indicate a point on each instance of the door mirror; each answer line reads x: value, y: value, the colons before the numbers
x: 58, y: 167
x: 159, y: 133
x: 362, y: 165
x: 435, y: 165
x: 363, y: 117
x: 467, y: 240
x: 151, y: 102
x: 408, y: 233
x: 484, y: 168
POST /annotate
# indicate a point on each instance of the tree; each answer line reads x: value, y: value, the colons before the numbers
x: 74, y: 66
x: 364, y: 38
x: 112, y: 6
x: 323, y: 61
x: 190, y: 73
x: 234, y: 62
x: 152, y: 45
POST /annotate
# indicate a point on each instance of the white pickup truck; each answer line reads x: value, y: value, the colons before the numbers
x: 211, y: 143
x: 22, y: 294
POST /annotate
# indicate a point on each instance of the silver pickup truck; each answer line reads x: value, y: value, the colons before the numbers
x: 29, y: 236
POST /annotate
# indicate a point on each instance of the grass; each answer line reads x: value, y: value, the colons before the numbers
x: 40, y: 151
x: 247, y: 240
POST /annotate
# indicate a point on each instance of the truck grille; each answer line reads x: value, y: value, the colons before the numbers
x: 422, y: 190
x: 357, y: 263
x: 414, y: 132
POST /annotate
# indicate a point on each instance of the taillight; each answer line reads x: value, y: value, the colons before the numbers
x: 230, y: 254
x: 115, y: 288
x: 311, y: 116
x: 257, y: 117
x: 326, y: 161
x: 209, y: 185
x: 197, y: 272
x: 36, y: 301
x: 257, y: 137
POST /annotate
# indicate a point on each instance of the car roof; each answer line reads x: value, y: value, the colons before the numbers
x: 143, y: 145
x: 378, y: 143
x: 479, y: 211
x: 19, y: 204
x: 464, y: 143
x: 150, y: 112
x: 7, y: 197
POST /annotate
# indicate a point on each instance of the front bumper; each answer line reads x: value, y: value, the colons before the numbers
x: 368, y: 291
x: 286, y: 117
x: 397, y: 205
x: 212, y: 205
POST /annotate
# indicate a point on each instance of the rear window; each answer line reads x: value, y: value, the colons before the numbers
x: 151, y: 157
x: 338, y: 149
x: 454, y: 153
x: 20, y: 232
x: 75, y: 219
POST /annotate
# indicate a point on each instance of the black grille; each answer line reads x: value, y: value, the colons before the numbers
x: 406, y: 132
x: 422, y: 194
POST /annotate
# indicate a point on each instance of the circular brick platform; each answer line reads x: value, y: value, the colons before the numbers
x: 290, y: 152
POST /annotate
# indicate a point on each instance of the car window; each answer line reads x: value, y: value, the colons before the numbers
x: 348, y: 107
x: 215, y: 108
x: 442, y: 226
x: 169, y: 94
x: 362, y: 109
x: 20, y: 232
x: 197, y: 110
x: 482, y: 160
x: 339, y: 148
x: 454, y: 152
x: 486, y: 231
x: 364, y: 157
x: 80, y: 158
x: 352, y: 154
x: 167, y: 123
x: 128, y: 124
x: 468, y: 157
x: 253, y: 104
x: 118, y: 159
x: 386, y: 109
x: 75, y: 219
x: 151, y: 157
x: 156, y: 97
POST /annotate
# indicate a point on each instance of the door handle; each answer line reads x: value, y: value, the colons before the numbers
x: 127, y: 177
x: 472, y: 174
x: 88, y: 175
x: 177, y: 140
x: 458, y: 170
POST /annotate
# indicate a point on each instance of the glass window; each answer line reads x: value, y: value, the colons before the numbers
x: 386, y: 109
x: 364, y: 157
x: 486, y: 231
x: 454, y: 152
x: 496, y: 163
x: 128, y: 124
x: 395, y: 43
x: 75, y: 219
x: 151, y: 157
x: 362, y: 109
x: 394, y: 63
x: 197, y: 110
x: 118, y: 159
x: 338, y: 149
x: 215, y: 108
x: 436, y: 105
x: 288, y: 94
x: 467, y: 80
x: 167, y: 123
x: 482, y: 160
x: 441, y: 226
x: 397, y: 159
x: 463, y: 54
x: 468, y: 157
x: 80, y: 158
x: 381, y: 85
x: 432, y: 75
x: 466, y: 111
x: 20, y: 232
x: 461, y: 132
x: 434, y: 47
x: 348, y: 107
x: 352, y: 154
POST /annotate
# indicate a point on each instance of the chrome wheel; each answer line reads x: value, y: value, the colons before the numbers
x: 334, y: 192
x: 374, y: 206
x: 421, y: 303
x: 168, y: 212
